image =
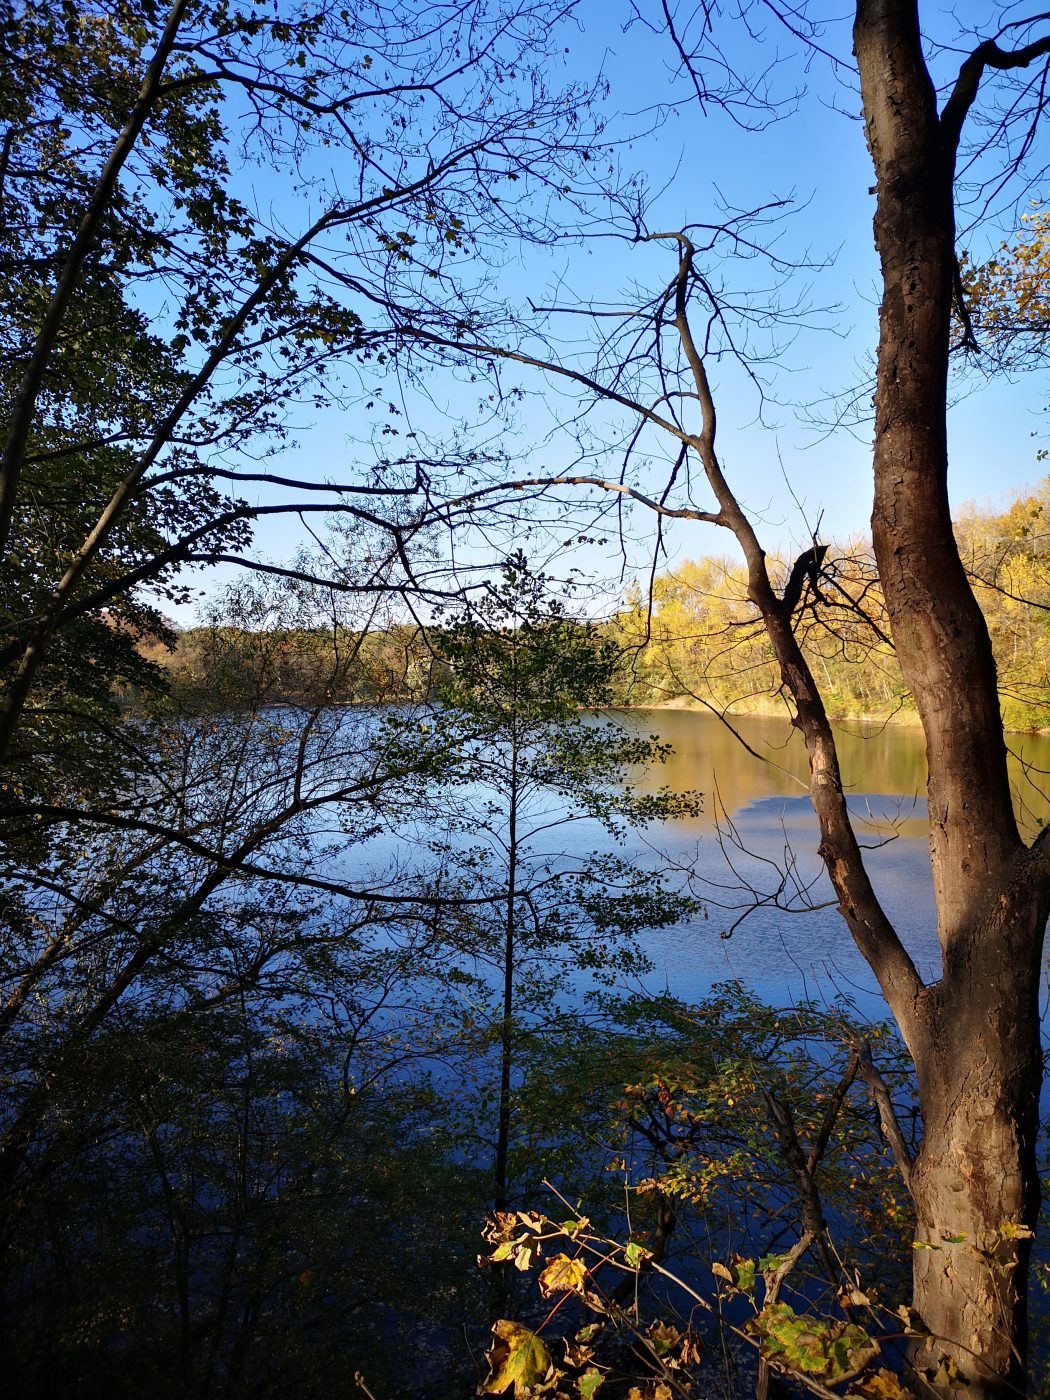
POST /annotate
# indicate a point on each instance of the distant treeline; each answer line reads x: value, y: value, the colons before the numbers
x: 228, y: 666
x: 699, y: 635
x: 694, y: 636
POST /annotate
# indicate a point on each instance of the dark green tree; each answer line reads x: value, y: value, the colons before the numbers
x: 543, y: 778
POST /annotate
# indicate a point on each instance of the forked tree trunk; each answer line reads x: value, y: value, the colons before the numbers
x: 975, y: 1033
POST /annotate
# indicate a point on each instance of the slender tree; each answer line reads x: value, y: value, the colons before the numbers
x: 530, y: 765
x: 158, y: 323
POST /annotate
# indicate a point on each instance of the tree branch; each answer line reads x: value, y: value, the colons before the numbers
x: 24, y: 406
x: 887, y: 1113
x: 963, y: 94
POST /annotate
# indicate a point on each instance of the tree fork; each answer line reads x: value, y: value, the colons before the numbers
x: 976, y: 1042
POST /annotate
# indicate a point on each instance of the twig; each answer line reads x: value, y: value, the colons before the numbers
x: 887, y: 1113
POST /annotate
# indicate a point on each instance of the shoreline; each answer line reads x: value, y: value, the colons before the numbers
x: 762, y: 707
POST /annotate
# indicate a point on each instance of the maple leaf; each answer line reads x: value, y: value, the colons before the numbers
x: 589, y: 1383
x: 635, y: 1255
x: 517, y: 1358
x: 522, y: 1251
x: 563, y: 1275
x: 662, y: 1337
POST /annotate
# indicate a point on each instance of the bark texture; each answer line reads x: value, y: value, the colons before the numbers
x: 974, y: 1182
x: 974, y: 1033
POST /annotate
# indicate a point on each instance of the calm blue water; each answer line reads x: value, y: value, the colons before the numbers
x: 768, y: 917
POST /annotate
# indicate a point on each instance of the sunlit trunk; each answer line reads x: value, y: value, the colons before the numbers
x: 975, y: 1183
x: 974, y: 1033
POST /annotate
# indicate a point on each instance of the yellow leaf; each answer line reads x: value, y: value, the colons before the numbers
x: 522, y: 1251
x: 882, y: 1385
x: 517, y: 1358
x: 563, y: 1275
x: 1009, y: 1230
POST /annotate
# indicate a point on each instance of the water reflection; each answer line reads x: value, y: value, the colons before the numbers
x: 875, y: 758
x: 751, y: 855
x: 758, y: 827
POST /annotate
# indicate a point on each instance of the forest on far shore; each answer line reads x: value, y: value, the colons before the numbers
x: 693, y: 636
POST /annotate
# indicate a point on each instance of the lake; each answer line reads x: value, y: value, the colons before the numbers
x: 769, y: 917
x: 757, y: 820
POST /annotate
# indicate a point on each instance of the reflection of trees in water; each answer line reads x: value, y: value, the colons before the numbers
x: 875, y: 758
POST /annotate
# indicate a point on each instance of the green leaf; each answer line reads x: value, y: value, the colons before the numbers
x: 523, y: 1251
x: 589, y: 1382
x: 635, y: 1255
x: 830, y: 1351
x: 517, y: 1358
x: 740, y: 1275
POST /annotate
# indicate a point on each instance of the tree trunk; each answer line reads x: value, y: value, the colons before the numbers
x: 974, y: 1182
x: 969, y: 1280
x: 501, y: 1171
x: 975, y: 1033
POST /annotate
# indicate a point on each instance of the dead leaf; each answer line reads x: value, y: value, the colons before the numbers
x: 502, y: 1226
x: 662, y: 1337
x: 881, y: 1385
x: 690, y: 1350
x: 577, y: 1354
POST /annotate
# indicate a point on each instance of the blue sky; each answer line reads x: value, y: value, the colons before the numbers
x: 788, y: 465
x: 815, y: 156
